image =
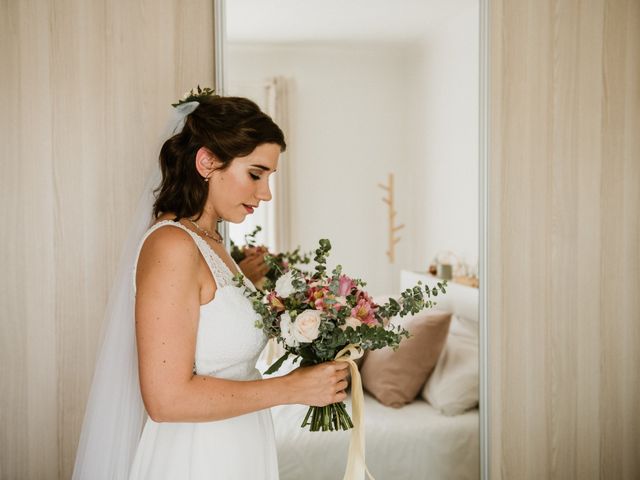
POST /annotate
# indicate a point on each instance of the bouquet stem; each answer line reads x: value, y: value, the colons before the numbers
x: 330, y: 417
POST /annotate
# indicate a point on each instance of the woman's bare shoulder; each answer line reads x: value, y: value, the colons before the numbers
x: 169, y: 247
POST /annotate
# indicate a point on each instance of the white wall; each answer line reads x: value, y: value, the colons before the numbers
x: 346, y: 134
x: 361, y: 111
x: 444, y: 140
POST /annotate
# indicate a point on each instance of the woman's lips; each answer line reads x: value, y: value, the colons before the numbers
x: 248, y: 208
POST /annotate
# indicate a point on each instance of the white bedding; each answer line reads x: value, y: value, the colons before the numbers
x: 414, y: 442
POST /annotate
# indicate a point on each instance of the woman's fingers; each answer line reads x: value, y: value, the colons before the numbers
x: 338, y: 374
x: 338, y: 365
x: 342, y: 369
x: 264, y: 268
x: 341, y: 386
x: 257, y: 260
x: 322, y: 384
x: 253, y: 267
x: 258, y: 264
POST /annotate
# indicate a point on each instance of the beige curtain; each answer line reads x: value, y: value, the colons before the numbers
x: 272, y: 95
x: 85, y: 88
x: 279, y: 218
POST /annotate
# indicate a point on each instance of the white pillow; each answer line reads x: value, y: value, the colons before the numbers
x: 454, y: 384
x: 464, y: 327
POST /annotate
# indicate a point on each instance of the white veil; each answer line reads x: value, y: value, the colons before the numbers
x: 115, y: 413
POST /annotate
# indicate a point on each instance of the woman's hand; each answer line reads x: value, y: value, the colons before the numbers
x: 253, y: 265
x: 319, y: 385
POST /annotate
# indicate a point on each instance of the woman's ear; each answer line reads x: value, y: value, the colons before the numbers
x: 206, y: 162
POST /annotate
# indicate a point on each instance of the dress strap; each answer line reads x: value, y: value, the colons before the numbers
x: 221, y: 273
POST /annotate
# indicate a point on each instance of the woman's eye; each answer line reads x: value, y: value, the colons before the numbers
x: 255, y: 177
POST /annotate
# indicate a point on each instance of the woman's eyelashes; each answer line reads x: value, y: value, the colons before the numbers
x: 254, y: 177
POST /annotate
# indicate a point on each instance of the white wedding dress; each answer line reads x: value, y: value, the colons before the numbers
x: 227, y: 346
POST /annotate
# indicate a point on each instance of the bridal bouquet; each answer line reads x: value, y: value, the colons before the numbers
x: 318, y: 317
x: 278, y: 263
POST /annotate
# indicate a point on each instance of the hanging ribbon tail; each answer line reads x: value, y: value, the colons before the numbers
x: 273, y: 351
x: 356, y: 466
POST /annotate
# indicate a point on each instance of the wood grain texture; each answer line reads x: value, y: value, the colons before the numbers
x: 85, y: 90
x: 564, y: 239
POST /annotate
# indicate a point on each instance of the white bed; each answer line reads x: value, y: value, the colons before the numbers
x: 413, y: 442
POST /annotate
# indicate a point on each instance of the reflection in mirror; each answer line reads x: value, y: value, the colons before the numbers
x: 379, y: 104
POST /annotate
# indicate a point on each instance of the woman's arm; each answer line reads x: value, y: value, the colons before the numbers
x: 169, y: 278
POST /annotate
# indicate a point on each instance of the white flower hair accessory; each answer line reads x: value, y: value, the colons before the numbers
x: 194, y: 94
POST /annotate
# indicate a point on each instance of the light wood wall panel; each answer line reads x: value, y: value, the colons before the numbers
x: 564, y: 239
x: 85, y: 88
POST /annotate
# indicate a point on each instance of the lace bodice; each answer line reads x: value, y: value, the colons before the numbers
x: 228, y: 343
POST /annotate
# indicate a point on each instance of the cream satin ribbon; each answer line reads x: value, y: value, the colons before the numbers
x: 274, y: 351
x: 356, y: 466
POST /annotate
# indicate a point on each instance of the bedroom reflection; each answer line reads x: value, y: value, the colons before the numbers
x: 379, y: 104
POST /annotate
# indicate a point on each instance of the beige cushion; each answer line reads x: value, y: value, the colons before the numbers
x: 396, y: 378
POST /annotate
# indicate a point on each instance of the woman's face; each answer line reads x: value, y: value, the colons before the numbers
x: 237, y: 191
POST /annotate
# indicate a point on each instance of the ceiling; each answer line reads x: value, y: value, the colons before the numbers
x: 336, y: 20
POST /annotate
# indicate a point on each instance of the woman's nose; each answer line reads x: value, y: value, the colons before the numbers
x: 264, y: 192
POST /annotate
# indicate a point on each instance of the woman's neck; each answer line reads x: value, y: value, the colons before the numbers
x: 208, y: 220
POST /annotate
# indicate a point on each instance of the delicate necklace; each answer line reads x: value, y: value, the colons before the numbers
x: 217, y: 239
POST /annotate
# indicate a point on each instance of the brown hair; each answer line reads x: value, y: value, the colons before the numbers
x: 229, y: 127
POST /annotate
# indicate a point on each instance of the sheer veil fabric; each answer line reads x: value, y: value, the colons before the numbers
x: 115, y: 414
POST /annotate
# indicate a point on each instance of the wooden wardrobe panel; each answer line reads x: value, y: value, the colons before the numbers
x: 564, y: 261
x: 620, y: 231
x: 86, y: 89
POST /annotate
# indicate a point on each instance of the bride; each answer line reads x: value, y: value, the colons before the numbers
x: 180, y: 342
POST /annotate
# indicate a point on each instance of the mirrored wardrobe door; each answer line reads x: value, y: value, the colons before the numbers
x: 379, y: 104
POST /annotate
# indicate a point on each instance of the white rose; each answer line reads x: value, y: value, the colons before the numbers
x: 306, y: 326
x: 352, y: 322
x: 284, y: 285
x: 285, y: 330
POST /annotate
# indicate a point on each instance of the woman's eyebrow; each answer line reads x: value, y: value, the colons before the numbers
x: 262, y: 167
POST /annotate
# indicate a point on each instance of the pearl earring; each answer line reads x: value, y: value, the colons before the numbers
x: 206, y: 179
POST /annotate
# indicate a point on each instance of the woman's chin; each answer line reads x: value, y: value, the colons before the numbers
x: 236, y: 218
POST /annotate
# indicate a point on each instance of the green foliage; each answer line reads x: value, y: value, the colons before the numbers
x: 194, y: 95
x: 321, y: 258
x: 412, y: 300
x: 333, y: 332
x: 333, y: 335
x: 278, y: 263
